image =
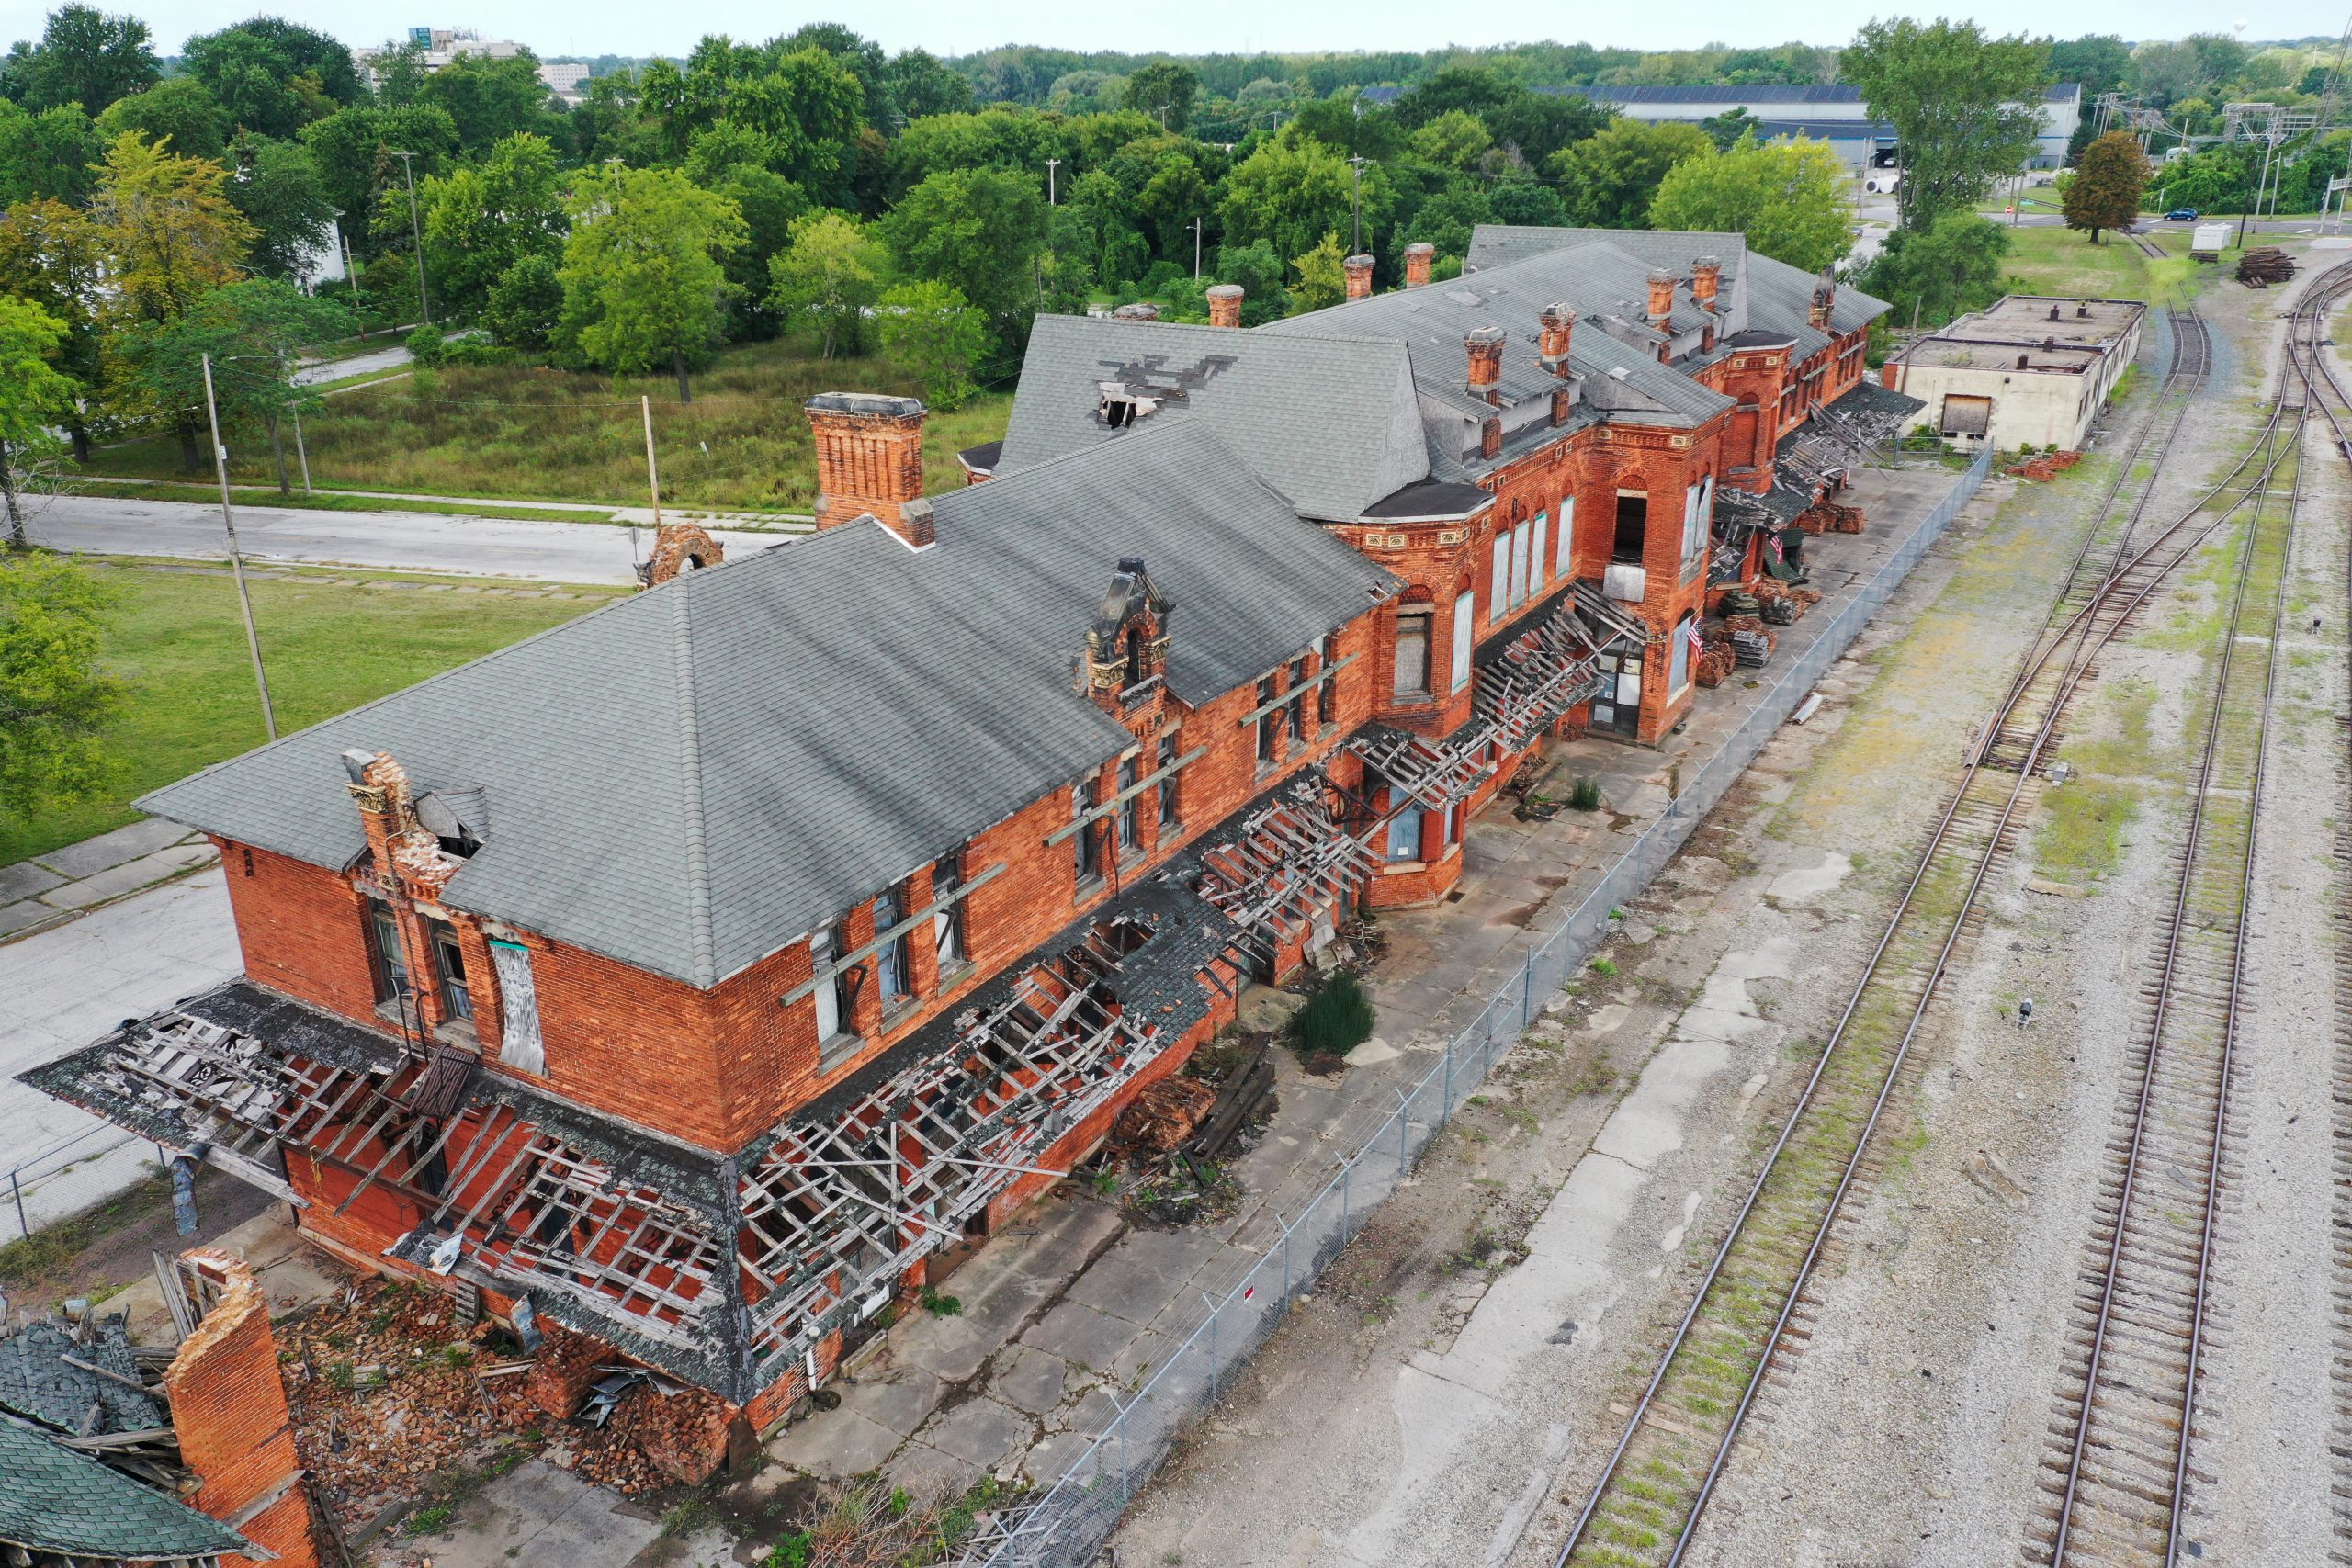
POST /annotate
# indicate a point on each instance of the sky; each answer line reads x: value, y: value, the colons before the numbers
x: 947, y: 26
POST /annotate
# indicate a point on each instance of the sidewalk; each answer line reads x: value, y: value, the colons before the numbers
x: 1061, y: 1323
x: 777, y: 522
x: 51, y: 888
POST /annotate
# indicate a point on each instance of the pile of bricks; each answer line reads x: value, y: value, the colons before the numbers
x: 2045, y: 468
x: 1717, y: 659
x: 1163, y: 1115
x: 1843, y: 519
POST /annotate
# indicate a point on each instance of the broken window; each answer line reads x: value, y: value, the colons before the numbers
x: 947, y: 923
x: 891, y: 958
x: 1538, y: 555
x: 449, y: 972
x: 1130, y: 806
x: 1269, y: 721
x: 1679, y: 654
x: 1298, y: 700
x: 519, y: 1044
x: 1412, y: 675
x: 1169, y: 775
x: 1327, y: 694
x: 1519, y: 541
x: 1089, y: 851
x: 386, y: 955
x: 1632, y: 527
x: 834, y: 993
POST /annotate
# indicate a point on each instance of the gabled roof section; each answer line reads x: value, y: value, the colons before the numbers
x: 55, y: 1501
x: 688, y: 779
x: 1330, y: 422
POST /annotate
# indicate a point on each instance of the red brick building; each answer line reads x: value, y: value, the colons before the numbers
x: 696, y: 971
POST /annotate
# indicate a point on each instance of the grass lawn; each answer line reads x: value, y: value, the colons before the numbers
x: 2063, y: 261
x: 529, y: 431
x: 176, y: 640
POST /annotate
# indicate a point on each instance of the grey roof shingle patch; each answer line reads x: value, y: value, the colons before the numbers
x: 849, y: 708
x: 1320, y: 418
x: 56, y: 1501
x: 35, y: 1381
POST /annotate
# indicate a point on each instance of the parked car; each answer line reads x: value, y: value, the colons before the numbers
x: 2181, y: 215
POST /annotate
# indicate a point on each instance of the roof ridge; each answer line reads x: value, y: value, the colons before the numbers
x: 706, y: 968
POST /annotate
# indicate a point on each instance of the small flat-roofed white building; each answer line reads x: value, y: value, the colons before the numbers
x: 2033, y: 370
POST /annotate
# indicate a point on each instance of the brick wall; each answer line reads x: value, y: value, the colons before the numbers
x: 229, y: 1408
x: 301, y: 929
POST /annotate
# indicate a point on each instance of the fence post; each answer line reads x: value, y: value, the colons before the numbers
x: 1215, y: 1312
x: 19, y: 1194
x: 1404, y: 1135
x: 1445, y: 1095
x: 1126, y: 1486
x: 1346, y: 1171
x: 1285, y: 1261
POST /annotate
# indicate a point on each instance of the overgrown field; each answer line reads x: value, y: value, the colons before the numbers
x: 176, y: 640
x: 538, y: 433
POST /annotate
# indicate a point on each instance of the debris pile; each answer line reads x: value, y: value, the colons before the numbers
x: 2047, y: 467
x: 2261, y: 266
x: 1163, y: 1115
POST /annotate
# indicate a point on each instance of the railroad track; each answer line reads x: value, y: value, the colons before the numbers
x: 2118, y: 1474
x: 1751, y: 1305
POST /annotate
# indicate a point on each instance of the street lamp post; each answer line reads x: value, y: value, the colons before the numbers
x: 1051, y: 164
x: 236, y: 558
x: 417, y: 235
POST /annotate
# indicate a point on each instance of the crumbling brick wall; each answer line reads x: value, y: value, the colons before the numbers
x: 566, y: 1367
x: 229, y: 1408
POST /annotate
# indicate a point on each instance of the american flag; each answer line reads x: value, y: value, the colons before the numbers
x: 1691, y: 631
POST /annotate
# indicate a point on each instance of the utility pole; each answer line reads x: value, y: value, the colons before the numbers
x: 1196, y: 250
x: 652, y: 474
x: 416, y: 234
x: 236, y: 558
x: 1051, y: 164
x: 350, y: 262
x: 1355, y: 168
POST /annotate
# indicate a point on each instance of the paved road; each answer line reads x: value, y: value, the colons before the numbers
x: 367, y: 364
x: 402, y: 541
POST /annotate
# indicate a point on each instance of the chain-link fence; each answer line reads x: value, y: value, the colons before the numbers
x: 1068, y: 1526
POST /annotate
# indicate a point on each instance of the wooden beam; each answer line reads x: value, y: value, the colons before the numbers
x: 883, y: 939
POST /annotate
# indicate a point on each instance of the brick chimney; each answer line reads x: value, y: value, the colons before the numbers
x: 1418, y: 257
x: 1486, y: 347
x: 1225, y: 305
x: 870, y: 461
x: 1706, y: 279
x: 1358, y: 275
x: 1559, y: 323
x: 1662, y: 300
x: 1825, y: 301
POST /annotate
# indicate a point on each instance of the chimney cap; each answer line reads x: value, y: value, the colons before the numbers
x: 867, y: 404
x: 1707, y: 264
x: 1661, y: 274
x: 1225, y: 291
x: 1421, y: 248
x: 1480, y: 336
x: 1558, y: 315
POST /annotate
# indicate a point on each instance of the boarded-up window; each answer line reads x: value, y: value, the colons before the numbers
x: 1967, y: 416
x: 519, y: 1009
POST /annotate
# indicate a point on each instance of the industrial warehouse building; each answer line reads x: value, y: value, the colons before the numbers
x: 2033, y: 370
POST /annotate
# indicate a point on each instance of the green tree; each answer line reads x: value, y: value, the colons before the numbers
x: 980, y: 230
x: 2107, y: 185
x: 1164, y: 90
x: 85, y: 57
x: 488, y: 99
x: 932, y: 331
x: 352, y: 149
x: 1257, y: 268
x: 46, y: 155
x: 254, y: 332
x: 1447, y: 218
x: 1169, y: 202
x: 1350, y: 127
x: 1322, y: 277
x: 33, y: 396
x: 171, y: 236
x: 1294, y: 190
x: 274, y: 77
x: 826, y: 279
x: 276, y: 186
x: 1093, y: 224
x: 399, y: 75
x: 1788, y: 197
x: 1934, y: 274
x: 50, y: 257
x: 1723, y: 130
x: 1456, y: 140
x: 2097, y: 61
x: 644, y: 275
x: 56, y: 698
x: 526, y: 304
x: 178, y: 107
x: 921, y: 83
x: 811, y: 107
x: 481, y: 218
x: 1965, y: 108
x: 1609, y: 179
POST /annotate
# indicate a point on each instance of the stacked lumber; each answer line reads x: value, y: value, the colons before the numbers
x: 1163, y: 1115
x: 2262, y: 265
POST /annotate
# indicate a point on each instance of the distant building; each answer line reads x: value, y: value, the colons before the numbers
x: 435, y: 47
x: 568, y: 81
x: 2033, y: 370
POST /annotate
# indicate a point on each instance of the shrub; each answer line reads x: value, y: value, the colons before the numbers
x: 426, y: 346
x: 1585, y: 794
x: 1335, y: 1020
x: 940, y: 1305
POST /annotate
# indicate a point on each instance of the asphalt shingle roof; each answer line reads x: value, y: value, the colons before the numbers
x: 35, y: 1381
x: 691, y: 778
x: 56, y: 1501
x: 1329, y: 421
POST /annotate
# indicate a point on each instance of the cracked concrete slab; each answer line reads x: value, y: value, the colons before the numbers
x: 540, y: 1516
x: 981, y: 1431
x: 1082, y: 1336
x: 841, y: 1444
x: 1029, y: 1379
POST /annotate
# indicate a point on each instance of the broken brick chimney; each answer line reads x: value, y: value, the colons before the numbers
x: 1825, y: 301
x: 1558, y: 324
x: 1225, y: 305
x: 1359, y: 268
x: 1706, y: 280
x: 869, y: 462
x: 1418, y: 257
x: 679, y: 548
x: 1140, y: 310
x: 1486, y: 349
x: 1661, y: 312
x: 230, y: 1415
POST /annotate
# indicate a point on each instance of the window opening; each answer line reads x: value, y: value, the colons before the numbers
x: 449, y: 966
x: 389, y: 958
x: 1412, y: 677
x: 947, y: 923
x: 1170, y: 816
x: 890, y: 960
x: 1130, y: 813
x: 1082, y: 799
x: 1298, y: 699
x: 1269, y: 722
x: 1463, y: 609
x: 1632, y: 528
